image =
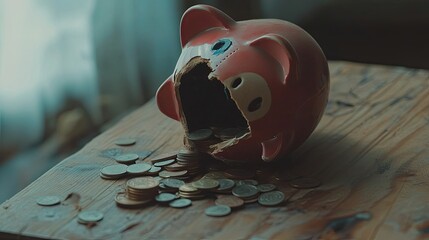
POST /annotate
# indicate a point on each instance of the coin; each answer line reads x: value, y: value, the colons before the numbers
x: 206, y: 184
x: 218, y: 211
x: 230, y: 201
x: 245, y: 191
x: 125, y: 141
x: 122, y: 201
x: 128, y: 158
x: 305, y: 182
x: 188, y: 188
x: 215, y: 175
x: 111, y: 152
x: 154, y: 170
x: 163, y: 156
x: 90, y: 216
x: 225, y: 184
x: 173, y: 183
x: 139, y: 168
x: 200, y: 134
x: 48, y: 200
x: 271, y: 198
x: 267, y: 187
x: 180, y: 203
x: 165, y: 197
x: 143, y: 183
x: 247, y: 181
x: 164, y: 163
x: 116, y: 170
x: 168, y: 174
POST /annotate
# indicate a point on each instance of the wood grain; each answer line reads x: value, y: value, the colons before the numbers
x: 370, y: 151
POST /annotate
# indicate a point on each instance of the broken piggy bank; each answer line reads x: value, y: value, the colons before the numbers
x: 248, y: 90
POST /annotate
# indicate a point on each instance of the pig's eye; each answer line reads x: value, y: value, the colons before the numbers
x: 221, y: 46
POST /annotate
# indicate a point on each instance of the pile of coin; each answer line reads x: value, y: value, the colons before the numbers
x: 139, y: 191
x: 177, y: 178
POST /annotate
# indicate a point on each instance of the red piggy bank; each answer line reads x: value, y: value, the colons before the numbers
x: 248, y: 90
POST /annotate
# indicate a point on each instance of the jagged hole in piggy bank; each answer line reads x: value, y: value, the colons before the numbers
x: 249, y: 90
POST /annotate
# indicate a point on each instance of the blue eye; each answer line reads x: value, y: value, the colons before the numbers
x: 221, y: 46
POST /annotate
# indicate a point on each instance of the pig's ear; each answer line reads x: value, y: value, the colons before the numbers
x: 166, y: 99
x: 281, y: 50
x: 200, y: 18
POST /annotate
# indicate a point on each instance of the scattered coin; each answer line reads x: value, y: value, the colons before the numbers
x: 90, y: 216
x: 218, y: 211
x: 173, y: 183
x: 245, y: 191
x: 215, y: 175
x: 206, y: 184
x: 230, y: 201
x: 180, y: 203
x: 154, y: 170
x: 111, y: 152
x: 200, y: 134
x: 113, y: 171
x: 225, y: 185
x: 48, y: 200
x: 143, y: 183
x: 125, y: 141
x: 168, y: 174
x: 247, y: 181
x: 164, y: 163
x: 188, y: 188
x: 305, y: 182
x: 163, y: 156
x: 139, y: 168
x: 271, y: 198
x: 267, y: 187
x: 165, y: 197
x: 122, y: 201
x: 128, y: 158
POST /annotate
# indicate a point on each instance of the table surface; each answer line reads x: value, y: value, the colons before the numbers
x: 371, y: 151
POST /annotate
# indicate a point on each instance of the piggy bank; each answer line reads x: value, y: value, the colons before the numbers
x: 245, y: 90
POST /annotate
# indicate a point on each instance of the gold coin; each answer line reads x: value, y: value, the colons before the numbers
x: 168, y: 174
x: 305, y: 182
x: 231, y: 201
x: 143, y: 183
x: 206, y: 184
x: 122, y: 201
x: 188, y: 188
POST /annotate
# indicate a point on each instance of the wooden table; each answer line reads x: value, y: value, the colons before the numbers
x: 371, y: 151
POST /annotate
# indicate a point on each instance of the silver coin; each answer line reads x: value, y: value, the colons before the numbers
x: 164, y: 163
x: 245, y: 191
x: 127, y: 158
x: 267, y: 187
x: 218, y: 211
x: 173, y: 183
x: 271, y: 198
x: 90, y: 216
x: 114, y: 170
x: 139, y: 168
x: 305, y: 182
x: 180, y: 203
x: 225, y: 184
x: 165, y: 197
x: 48, y: 200
x: 125, y: 141
x: 200, y: 134
x: 154, y: 169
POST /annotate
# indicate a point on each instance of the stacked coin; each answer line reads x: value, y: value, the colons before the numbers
x: 170, y: 185
x: 249, y: 193
x: 202, y: 139
x: 142, y: 188
x: 190, y: 192
x: 189, y: 160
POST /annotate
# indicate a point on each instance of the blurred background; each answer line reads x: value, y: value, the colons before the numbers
x: 71, y: 69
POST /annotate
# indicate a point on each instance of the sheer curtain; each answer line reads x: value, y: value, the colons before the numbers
x: 105, y: 56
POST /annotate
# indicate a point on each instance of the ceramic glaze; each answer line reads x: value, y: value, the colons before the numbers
x: 267, y: 77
